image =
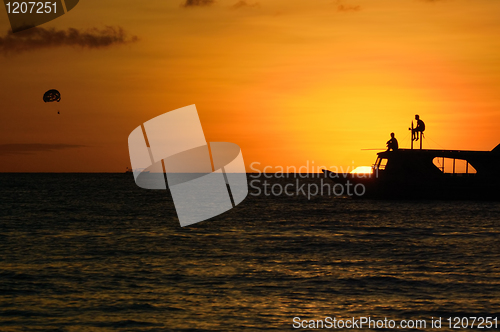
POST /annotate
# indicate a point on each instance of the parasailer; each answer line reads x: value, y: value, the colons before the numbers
x: 51, y: 96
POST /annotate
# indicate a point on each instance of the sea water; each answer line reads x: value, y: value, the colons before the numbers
x: 93, y: 252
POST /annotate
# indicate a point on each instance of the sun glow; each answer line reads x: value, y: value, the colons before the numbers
x: 362, y: 170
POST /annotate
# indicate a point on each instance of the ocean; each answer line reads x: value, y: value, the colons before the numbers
x: 93, y: 252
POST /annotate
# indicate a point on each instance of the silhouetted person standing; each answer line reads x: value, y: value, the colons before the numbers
x: 418, y: 130
x: 392, y: 144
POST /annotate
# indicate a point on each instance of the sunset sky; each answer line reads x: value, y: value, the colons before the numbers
x: 289, y: 81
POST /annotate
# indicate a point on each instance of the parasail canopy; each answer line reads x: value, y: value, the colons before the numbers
x: 51, y: 96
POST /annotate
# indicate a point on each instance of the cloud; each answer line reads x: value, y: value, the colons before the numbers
x: 39, y: 38
x: 342, y: 7
x: 16, y: 149
x: 194, y: 3
x: 348, y: 8
x: 243, y: 3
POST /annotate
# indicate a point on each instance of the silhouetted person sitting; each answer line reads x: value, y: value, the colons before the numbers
x: 418, y: 130
x: 392, y: 144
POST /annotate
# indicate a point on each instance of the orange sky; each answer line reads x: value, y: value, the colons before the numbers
x: 289, y: 81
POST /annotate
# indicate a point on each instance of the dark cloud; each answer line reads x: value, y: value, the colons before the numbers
x: 16, y: 149
x: 194, y: 3
x: 39, y: 38
x: 243, y: 3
